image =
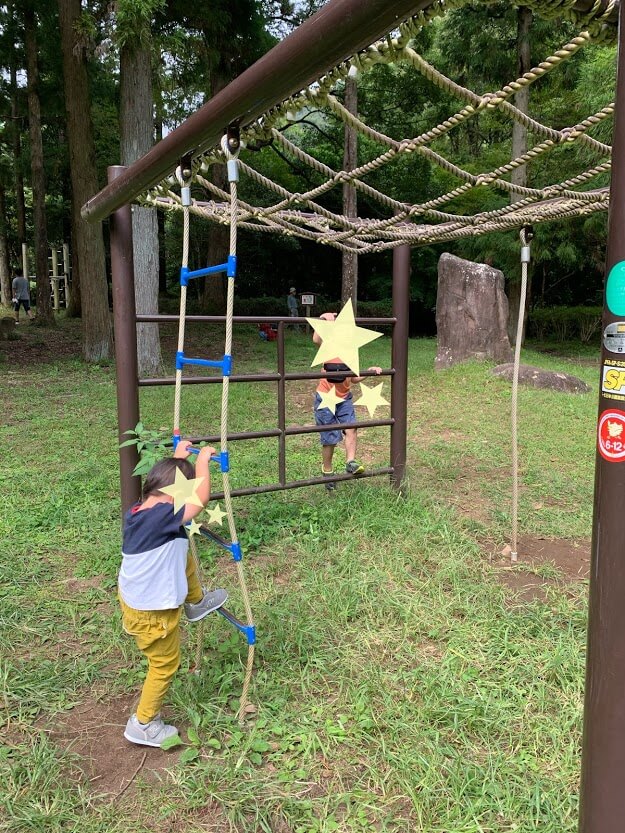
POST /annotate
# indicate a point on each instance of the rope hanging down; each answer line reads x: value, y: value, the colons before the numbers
x: 225, y: 365
x: 526, y: 235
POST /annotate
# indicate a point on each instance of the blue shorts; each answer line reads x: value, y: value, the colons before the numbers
x: 21, y: 302
x: 324, y: 416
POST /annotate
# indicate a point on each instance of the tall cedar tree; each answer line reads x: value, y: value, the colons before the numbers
x: 90, y: 273
x: 225, y: 37
x: 134, y: 33
x: 38, y: 181
x: 5, y: 280
x: 519, y: 175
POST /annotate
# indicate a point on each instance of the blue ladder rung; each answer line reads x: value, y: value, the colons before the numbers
x: 222, y: 458
x: 234, y: 549
x: 229, y: 267
x: 225, y: 364
x: 248, y: 630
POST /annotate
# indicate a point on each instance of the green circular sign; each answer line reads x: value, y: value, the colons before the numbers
x: 615, y: 289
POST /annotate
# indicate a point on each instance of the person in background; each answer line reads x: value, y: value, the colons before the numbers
x: 291, y: 302
x: 21, y: 295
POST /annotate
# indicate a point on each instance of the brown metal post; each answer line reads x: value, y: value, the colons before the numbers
x: 124, y: 322
x: 602, y: 802
x: 399, y: 387
x: 281, y: 407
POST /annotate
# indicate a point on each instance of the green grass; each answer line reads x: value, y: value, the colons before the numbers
x: 399, y: 685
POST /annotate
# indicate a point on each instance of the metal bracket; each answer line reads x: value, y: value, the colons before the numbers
x: 233, y: 137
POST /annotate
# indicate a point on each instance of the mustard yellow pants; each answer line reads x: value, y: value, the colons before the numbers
x: 157, y: 634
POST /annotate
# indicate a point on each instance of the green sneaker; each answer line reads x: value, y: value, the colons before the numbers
x: 353, y: 467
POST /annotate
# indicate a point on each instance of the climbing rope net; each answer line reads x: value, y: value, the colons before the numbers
x: 303, y: 214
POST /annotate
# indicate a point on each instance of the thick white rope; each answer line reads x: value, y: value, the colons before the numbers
x: 186, y: 204
x: 525, y: 259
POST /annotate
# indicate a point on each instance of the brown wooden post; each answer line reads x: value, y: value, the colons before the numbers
x: 399, y: 385
x: 281, y: 407
x: 125, y: 326
x: 602, y: 807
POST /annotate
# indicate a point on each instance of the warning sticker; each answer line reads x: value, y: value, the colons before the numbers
x: 613, y: 381
x: 611, y: 435
x: 614, y: 337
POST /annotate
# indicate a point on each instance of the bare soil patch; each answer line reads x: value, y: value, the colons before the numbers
x: 42, y: 345
x: 569, y: 558
x: 94, y: 731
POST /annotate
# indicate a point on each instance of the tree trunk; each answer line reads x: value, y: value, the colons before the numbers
x: 38, y: 181
x: 16, y: 141
x: 137, y: 137
x: 5, y: 269
x: 519, y: 175
x: 349, y: 282
x: 87, y: 239
x: 160, y: 221
x: 214, y: 295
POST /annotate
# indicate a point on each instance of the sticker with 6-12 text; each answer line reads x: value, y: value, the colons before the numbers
x: 611, y: 435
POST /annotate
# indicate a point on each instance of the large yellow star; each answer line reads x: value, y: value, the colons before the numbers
x: 183, y: 490
x: 371, y: 398
x: 216, y: 516
x: 329, y: 400
x: 341, y: 338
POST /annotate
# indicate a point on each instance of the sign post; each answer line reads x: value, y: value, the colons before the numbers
x: 307, y: 300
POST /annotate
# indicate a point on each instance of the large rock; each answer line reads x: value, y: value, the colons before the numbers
x: 471, y: 313
x: 536, y: 377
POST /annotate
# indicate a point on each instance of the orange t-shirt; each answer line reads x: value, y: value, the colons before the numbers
x: 336, y: 371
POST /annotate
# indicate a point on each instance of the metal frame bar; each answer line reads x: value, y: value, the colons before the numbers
x: 126, y: 363
x: 602, y: 797
x: 128, y: 381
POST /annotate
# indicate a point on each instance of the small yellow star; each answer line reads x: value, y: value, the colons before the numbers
x: 329, y: 400
x: 216, y: 516
x: 193, y: 528
x: 341, y: 338
x: 371, y: 398
x: 183, y: 490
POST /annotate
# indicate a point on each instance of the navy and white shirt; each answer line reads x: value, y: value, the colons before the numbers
x: 154, y: 558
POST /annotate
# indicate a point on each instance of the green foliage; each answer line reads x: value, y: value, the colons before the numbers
x: 151, y: 445
x: 565, y: 323
x: 134, y: 19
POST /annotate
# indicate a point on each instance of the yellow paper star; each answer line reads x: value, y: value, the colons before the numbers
x: 341, y: 338
x: 329, y: 400
x: 183, y: 490
x: 216, y: 516
x: 193, y: 528
x: 371, y: 398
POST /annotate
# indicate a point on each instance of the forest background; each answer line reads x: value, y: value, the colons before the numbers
x: 85, y: 85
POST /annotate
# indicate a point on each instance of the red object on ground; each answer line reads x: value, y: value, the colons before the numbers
x: 270, y: 333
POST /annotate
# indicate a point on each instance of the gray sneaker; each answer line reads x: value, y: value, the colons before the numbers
x: 211, y: 601
x: 148, y: 734
x: 354, y: 468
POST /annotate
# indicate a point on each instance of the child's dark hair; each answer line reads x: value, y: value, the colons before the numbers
x: 163, y: 473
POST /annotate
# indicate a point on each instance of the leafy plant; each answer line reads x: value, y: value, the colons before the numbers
x: 152, y: 446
